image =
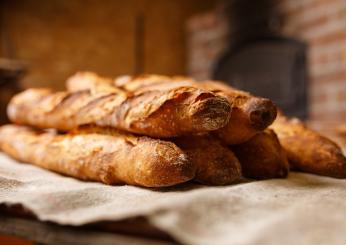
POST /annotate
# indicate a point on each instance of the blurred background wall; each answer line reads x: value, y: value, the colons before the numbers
x: 60, y: 37
x: 56, y: 38
x: 321, y: 24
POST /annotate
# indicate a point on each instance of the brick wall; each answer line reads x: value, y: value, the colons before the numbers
x: 320, y: 23
x: 206, y: 40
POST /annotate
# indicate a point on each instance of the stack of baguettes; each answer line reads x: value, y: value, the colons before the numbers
x: 157, y: 131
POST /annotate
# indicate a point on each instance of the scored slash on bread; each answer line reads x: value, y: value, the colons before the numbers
x: 112, y: 159
x: 249, y: 114
x: 306, y: 150
x: 201, y: 124
x: 309, y: 151
x: 174, y: 112
x: 215, y: 163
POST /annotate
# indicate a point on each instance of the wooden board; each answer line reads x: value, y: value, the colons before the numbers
x: 18, y: 222
x: 48, y: 233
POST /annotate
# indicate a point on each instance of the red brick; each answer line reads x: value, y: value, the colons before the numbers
x: 318, y: 97
x: 321, y: 20
x: 331, y: 37
x: 341, y: 96
x: 320, y: 23
x: 331, y: 77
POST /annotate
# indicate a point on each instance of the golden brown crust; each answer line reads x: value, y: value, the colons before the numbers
x: 262, y: 157
x: 112, y: 159
x: 341, y: 131
x: 174, y: 112
x: 249, y: 115
x: 149, y: 82
x: 91, y: 81
x: 308, y: 151
x: 215, y: 163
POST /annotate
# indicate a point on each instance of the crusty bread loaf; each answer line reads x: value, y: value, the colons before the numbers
x: 262, y: 157
x: 249, y: 114
x: 309, y: 151
x: 175, y: 112
x: 91, y: 81
x: 149, y: 81
x: 215, y: 163
x: 112, y: 159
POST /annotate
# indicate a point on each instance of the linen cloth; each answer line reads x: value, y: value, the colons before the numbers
x: 302, y: 209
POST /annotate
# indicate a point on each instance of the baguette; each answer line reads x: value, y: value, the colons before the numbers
x: 249, y: 114
x: 309, y: 151
x: 162, y: 114
x: 262, y: 157
x: 91, y: 81
x: 215, y: 163
x: 111, y: 159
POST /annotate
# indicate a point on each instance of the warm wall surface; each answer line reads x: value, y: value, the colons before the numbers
x: 59, y: 37
x: 319, y: 23
x: 322, y: 24
x: 207, y: 40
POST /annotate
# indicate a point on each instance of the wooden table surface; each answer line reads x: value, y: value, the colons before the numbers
x: 46, y: 233
x: 17, y: 222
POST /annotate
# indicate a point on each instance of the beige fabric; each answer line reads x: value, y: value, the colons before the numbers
x: 303, y: 209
